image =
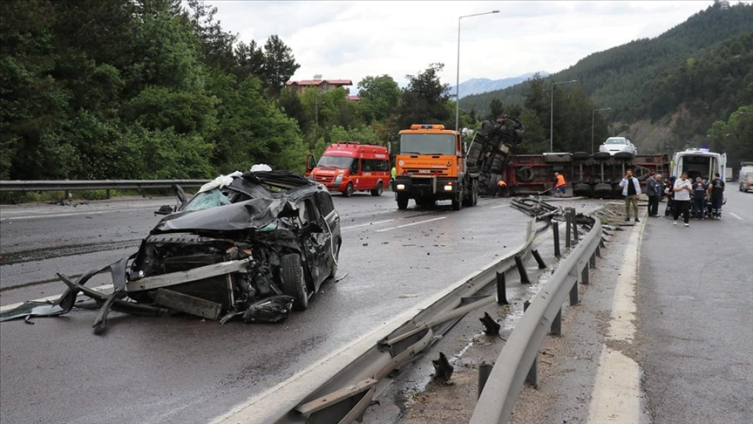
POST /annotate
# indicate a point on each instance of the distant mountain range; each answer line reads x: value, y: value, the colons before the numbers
x: 484, y: 85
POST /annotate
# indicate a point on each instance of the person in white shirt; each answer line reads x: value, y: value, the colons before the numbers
x: 682, y: 188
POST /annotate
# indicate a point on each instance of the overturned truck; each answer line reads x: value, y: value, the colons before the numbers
x: 254, y: 246
x: 491, y: 148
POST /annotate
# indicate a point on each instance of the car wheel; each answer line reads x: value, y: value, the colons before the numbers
x: 378, y: 190
x: 348, y: 190
x: 292, y: 281
x: 402, y: 201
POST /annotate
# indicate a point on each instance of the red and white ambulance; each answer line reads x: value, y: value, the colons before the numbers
x: 349, y: 166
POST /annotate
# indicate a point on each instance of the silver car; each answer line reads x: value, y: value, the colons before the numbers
x: 618, y: 144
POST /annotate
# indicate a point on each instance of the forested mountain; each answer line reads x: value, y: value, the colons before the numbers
x: 687, y: 78
x: 484, y: 85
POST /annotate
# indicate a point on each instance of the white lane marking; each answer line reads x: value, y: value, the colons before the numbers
x: 368, y: 224
x: 19, y: 218
x: 104, y: 289
x: 731, y: 213
x: 411, y: 224
x: 500, y: 206
x: 617, y: 395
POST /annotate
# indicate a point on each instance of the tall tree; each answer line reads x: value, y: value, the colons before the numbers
x: 249, y: 60
x: 425, y: 99
x: 380, y: 96
x: 279, y: 64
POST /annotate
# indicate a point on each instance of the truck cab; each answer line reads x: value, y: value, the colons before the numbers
x: 431, y: 166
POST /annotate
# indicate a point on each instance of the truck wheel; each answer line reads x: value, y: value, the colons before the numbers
x: 378, y: 190
x: 402, y: 201
x: 457, y: 202
x: 348, y: 190
x: 292, y: 281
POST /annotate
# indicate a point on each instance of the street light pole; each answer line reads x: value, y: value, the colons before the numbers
x: 551, y: 113
x: 457, y: 80
x: 593, y: 113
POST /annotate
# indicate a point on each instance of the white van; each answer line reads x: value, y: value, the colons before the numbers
x: 699, y: 163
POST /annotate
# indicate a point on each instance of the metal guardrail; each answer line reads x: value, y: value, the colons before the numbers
x: 68, y: 185
x: 343, y: 389
x: 516, y: 363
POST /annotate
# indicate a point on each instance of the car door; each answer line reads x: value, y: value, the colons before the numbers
x: 331, y: 221
x: 313, y: 239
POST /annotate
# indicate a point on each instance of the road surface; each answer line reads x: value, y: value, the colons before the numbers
x: 179, y: 369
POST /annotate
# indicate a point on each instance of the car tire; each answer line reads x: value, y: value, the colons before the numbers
x: 378, y: 190
x: 580, y: 155
x: 348, y: 190
x: 292, y: 281
x: 402, y: 201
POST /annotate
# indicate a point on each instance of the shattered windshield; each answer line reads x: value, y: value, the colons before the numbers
x: 206, y: 200
x: 427, y: 144
x: 339, y: 162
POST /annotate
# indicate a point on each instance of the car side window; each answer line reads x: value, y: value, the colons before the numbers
x: 325, y: 203
x: 354, y: 166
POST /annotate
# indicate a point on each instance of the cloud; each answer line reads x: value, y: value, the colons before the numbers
x: 356, y: 39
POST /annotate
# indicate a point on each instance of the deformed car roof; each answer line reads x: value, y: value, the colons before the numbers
x: 273, y: 195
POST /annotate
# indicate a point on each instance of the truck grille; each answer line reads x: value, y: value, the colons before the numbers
x: 324, y: 178
x: 416, y: 172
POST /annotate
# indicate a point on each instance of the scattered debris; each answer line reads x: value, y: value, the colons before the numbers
x: 443, y: 369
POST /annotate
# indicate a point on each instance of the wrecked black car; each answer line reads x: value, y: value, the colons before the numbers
x: 254, y: 245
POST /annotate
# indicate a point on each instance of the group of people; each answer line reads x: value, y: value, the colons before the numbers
x: 701, y: 199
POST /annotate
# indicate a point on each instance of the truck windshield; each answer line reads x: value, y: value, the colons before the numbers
x: 427, y: 144
x: 339, y: 162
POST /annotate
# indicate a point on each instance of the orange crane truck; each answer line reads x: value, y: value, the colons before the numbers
x: 431, y: 166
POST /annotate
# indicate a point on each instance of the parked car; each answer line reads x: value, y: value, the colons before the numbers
x: 254, y: 245
x: 618, y: 144
x: 746, y: 181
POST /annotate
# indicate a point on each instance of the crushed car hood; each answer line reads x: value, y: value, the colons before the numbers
x: 250, y: 214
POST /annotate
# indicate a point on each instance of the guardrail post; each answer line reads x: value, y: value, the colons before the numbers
x: 539, y: 261
x: 526, y: 304
x: 531, y: 378
x: 501, y: 289
x: 522, y: 270
x: 556, y: 328
x: 108, y: 194
x: 67, y: 195
x: 568, y: 218
x: 584, y: 275
x: 598, y: 250
x: 556, y: 229
x: 574, y: 221
x: 574, y: 294
x: 483, y: 375
x: 592, y: 261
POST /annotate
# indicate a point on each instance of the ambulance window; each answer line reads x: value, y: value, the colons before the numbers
x: 354, y: 166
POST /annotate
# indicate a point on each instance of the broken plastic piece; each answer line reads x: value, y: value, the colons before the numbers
x: 32, y: 309
x: 270, y: 310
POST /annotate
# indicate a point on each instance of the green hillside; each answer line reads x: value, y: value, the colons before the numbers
x: 623, y: 76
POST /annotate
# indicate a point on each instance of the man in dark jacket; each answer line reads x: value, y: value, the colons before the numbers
x: 716, y: 193
x: 653, y: 195
x: 699, y: 198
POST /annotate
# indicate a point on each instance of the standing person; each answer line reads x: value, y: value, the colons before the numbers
x: 393, y: 174
x: 699, y: 198
x: 670, y: 196
x: 653, y: 194
x: 682, y: 189
x: 631, y: 188
x: 716, y: 193
x: 560, y: 185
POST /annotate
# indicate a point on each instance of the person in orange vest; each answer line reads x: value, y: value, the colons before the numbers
x: 501, y: 189
x: 560, y: 185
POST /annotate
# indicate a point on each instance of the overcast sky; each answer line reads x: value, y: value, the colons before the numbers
x: 351, y: 40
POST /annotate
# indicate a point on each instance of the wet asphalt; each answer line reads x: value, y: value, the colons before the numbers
x: 181, y: 369
x: 696, y: 312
